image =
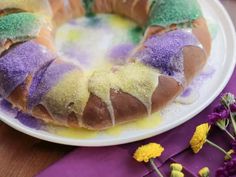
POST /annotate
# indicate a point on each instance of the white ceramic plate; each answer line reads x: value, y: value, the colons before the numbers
x: 219, y: 70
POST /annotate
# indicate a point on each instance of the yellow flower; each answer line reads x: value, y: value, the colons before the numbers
x: 176, y: 167
x: 175, y: 173
x: 199, y: 137
x: 147, y: 152
x: 204, y: 172
x: 229, y: 153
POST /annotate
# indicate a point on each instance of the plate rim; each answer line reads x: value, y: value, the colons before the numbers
x: 102, y: 143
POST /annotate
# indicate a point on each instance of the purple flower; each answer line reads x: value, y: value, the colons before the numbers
x: 219, y: 108
x: 221, y: 172
x: 228, y: 169
x: 213, y: 118
x: 219, y: 113
x: 234, y: 145
x: 233, y: 107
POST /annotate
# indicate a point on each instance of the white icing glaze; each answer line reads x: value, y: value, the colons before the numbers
x: 135, y: 79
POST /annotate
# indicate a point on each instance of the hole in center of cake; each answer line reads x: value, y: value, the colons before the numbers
x: 99, y: 41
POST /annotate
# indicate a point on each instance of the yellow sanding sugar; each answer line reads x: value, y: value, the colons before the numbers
x: 120, y: 22
x: 135, y: 79
x: 100, y: 84
x: 69, y: 95
x: 139, y: 81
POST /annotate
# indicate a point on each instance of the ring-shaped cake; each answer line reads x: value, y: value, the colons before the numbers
x: 36, y: 80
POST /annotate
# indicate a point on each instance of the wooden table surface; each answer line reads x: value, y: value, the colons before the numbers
x: 24, y: 156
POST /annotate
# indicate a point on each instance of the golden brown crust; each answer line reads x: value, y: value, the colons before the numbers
x: 103, y: 6
x: 168, y: 89
x: 194, y: 61
x: 200, y: 30
x: 126, y: 9
x: 77, y: 9
x: 96, y: 115
x: 45, y: 38
x: 9, y: 11
x: 135, y: 10
x: 61, y: 14
x: 126, y: 107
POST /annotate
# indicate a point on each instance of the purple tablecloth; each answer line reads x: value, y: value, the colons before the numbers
x: 117, y: 161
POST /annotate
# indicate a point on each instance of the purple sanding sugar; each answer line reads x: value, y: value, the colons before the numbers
x: 25, y: 119
x: 165, y: 52
x: 119, y: 54
x: 19, y: 62
x: 45, y: 79
x: 186, y: 92
x: 203, y: 77
x: 29, y: 121
x: 7, y: 107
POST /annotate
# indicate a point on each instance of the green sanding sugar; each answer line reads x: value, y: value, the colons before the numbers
x: 136, y: 34
x: 19, y: 27
x: 88, y: 5
x: 167, y: 12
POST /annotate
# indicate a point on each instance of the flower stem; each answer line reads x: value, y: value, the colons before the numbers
x: 228, y: 133
x: 155, y: 168
x: 218, y: 147
x: 233, y: 121
x: 225, y: 130
x: 227, y: 105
